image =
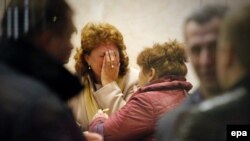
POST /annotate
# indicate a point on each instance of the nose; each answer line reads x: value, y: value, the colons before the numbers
x: 207, y: 58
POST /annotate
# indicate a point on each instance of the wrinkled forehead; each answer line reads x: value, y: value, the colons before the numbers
x: 202, y: 33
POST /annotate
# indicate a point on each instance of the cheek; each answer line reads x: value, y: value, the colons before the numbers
x: 195, y: 61
x: 141, y: 79
x: 118, y: 58
x: 100, y: 62
x: 97, y: 62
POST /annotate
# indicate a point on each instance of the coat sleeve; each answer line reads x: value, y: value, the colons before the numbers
x: 133, y: 121
x: 110, y: 96
x: 48, y: 120
x: 167, y: 124
x: 114, y: 97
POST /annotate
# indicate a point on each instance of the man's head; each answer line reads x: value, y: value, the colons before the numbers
x: 201, y: 31
x: 233, y: 61
x: 45, y: 23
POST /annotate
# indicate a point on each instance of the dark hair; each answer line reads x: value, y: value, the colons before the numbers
x: 206, y: 13
x: 236, y: 31
x: 26, y: 18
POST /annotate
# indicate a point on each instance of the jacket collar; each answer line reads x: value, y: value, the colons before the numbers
x: 244, y: 82
x: 28, y: 60
x: 167, y: 83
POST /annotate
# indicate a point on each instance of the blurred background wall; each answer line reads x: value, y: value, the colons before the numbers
x: 142, y: 22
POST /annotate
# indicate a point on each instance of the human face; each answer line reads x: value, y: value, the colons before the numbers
x: 96, y: 56
x: 61, y: 45
x: 143, y: 77
x: 201, y: 41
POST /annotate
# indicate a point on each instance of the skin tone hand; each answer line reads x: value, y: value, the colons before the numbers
x: 92, y: 136
x: 110, y: 68
x: 135, y: 88
x: 100, y: 113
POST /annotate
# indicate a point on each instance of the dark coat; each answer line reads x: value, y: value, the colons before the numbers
x: 167, y: 124
x: 208, y: 121
x: 33, y: 91
x: 137, y: 119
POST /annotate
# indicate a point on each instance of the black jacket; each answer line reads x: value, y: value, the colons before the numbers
x: 33, y: 91
x: 31, y: 62
x: 209, y: 120
x: 167, y: 124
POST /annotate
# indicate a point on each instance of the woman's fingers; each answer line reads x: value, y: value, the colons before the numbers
x: 110, y: 68
x: 107, y: 58
x: 112, y: 58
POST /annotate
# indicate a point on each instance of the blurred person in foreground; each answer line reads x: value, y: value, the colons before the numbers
x: 34, y: 84
x: 102, y: 64
x: 163, y: 86
x: 201, y: 32
x: 209, y: 121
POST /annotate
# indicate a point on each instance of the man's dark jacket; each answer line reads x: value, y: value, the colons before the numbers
x: 209, y: 120
x: 167, y: 124
x: 33, y: 94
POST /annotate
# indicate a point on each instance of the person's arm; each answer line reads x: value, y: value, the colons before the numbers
x: 111, y: 95
x: 166, y: 125
x: 46, y: 118
x: 134, y: 120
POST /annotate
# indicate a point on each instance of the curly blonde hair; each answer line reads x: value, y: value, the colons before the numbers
x: 93, y: 34
x: 167, y: 59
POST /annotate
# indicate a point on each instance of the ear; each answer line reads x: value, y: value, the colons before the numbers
x: 151, y: 75
x: 86, y: 57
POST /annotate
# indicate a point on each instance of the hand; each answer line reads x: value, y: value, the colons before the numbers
x: 110, y: 68
x: 92, y: 136
x: 135, y: 88
x: 100, y: 113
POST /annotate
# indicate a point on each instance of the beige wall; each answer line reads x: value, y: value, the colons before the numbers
x: 142, y: 22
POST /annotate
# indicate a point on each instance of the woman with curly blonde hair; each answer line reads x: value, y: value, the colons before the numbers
x: 162, y: 88
x: 102, y: 63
